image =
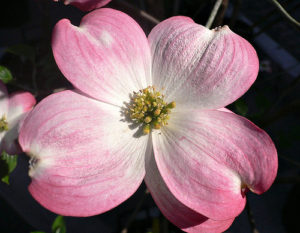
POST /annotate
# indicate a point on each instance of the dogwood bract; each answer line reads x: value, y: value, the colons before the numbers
x: 86, y: 5
x: 13, y: 109
x: 148, y: 109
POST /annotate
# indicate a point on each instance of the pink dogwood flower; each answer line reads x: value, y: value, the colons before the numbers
x: 149, y: 109
x: 13, y: 109
x: 86, y: 5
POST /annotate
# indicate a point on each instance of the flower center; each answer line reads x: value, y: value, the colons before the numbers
x: 147, y: 107
x: 3, y: 124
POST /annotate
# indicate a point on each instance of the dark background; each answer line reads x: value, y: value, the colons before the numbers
x: 272, y: 103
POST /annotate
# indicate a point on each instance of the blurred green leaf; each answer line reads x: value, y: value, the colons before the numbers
x: 22, y: 50
x: 5, y: 75
x: 59, y: 225
x: 7, y: 164
x: 241, y: 107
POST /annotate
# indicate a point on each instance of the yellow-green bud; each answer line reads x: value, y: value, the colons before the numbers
x: 148, y: 119
x: 157, y: 112
x: 156, y: 125
x: 172, y: 105
x: 147, y: 107
x: 3, y: 124
x: 146, y: 129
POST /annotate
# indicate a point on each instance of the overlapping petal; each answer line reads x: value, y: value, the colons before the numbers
x: 200, y: 67
x: 106, y: 57
x: 85, y: 160
x: 86, y: 5
x: 179, y: 214
x: 207, y: 158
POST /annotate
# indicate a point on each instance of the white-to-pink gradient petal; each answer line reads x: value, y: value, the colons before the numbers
x: 179, y: 214
x: 3, y: 100
x: 86, y: 5
x: 195, y: 66
x: 85, y: 159
x: 107, y: 56
x: 19, y: 104
x: 207, y: 158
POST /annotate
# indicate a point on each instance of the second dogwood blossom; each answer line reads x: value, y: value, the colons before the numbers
x: 13, y: 109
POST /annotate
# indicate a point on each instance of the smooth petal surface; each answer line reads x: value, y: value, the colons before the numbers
x: 85, y: 159
x: 179, y: 214
x: 198, y: 67
x: 19, y: 104
x: 207, y: 158
x: 87, y: 5
x: 107, y: 57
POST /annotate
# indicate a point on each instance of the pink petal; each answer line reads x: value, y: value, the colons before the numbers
x: 179, y: 214
x: 85, y: 159
x: 107, y: 57
x: 3, y: 100
x: 87, y: 5
x: 209, y: 158
x: 200, y: 67
x: 18, y: 105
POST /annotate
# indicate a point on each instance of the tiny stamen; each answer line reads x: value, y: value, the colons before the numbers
x: 3, y: 124
x: 148, y: 108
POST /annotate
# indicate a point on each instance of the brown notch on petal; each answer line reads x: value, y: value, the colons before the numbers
x: 244, y: 189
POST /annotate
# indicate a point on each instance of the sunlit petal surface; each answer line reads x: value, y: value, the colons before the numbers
x: 85, y: 161
x: 106, y: 57
x: 208, y: 159
x: 179, y: 214
x: 198, y: 67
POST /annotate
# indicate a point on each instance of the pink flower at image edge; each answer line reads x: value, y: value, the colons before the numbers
x: 13, y: 109
x: 86, y: 5
x: 90, y: 158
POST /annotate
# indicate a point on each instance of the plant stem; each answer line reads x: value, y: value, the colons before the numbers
x: 288, y: 180
x: 251, y: 218
x: 221, y: 13
x: 285, y: 14
x: 213, y: 13
x: 295, y: 163
x: 235, y: 13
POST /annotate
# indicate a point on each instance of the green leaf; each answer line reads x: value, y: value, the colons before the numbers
x: 59, y: 225
x: 241, y: 107
x: 22, y: 50
x: 7, y: 164
x: 5, y: 75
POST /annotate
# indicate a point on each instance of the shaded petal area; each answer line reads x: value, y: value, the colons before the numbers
x: 86, y: 5
x: 106, y: 57
x: 203, y: 68
x: 3, y: 100
x: 85, y: 160
x: 20, y: 103
x: 179, y: 214
x: 207, y: 158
